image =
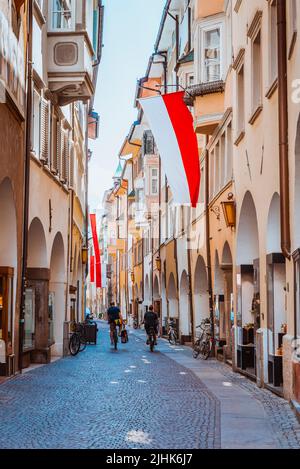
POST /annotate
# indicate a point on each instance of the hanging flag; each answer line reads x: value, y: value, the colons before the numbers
x: 96, y: 250
x: 172, y: 126
x: 92, y: 269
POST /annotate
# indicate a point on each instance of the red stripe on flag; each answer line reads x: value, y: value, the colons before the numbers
x: 97, y: 251
x: 182, y: 122
x: 92, y: 269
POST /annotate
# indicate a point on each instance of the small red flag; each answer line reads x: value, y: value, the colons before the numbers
x: 96, y: 250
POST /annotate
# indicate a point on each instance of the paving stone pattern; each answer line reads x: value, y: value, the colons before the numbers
x: 105, y: 399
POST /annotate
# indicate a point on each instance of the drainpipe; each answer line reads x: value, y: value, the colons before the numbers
x: 283, y: 130
x: 26, y: 179
x: 208, y: 251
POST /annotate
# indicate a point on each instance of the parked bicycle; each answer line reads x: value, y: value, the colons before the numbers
x: 77, y: 342
x: 172, y: 334
x: 203, y: 344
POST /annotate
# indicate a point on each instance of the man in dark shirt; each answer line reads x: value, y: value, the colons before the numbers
x: 151, y: 320
x: 114, y: 318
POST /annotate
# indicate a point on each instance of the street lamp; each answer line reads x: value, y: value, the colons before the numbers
x: 132, y: 277
x: 84, y: 255
x: 158, y: 263
x: 229, y: 210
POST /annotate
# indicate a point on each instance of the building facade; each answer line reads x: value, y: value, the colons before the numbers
x: 235, y: 258
x: 64, y: 51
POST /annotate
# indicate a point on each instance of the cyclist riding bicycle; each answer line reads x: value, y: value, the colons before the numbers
x: 114, y: 317
x: 151, y: 321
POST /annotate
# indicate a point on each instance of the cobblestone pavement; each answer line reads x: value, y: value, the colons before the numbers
x: 284, y: 422
x: 105, y: 399
x: 284, y: 426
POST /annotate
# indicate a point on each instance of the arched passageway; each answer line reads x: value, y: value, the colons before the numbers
x: 185, y: 327
x: 248, y: 288
x: 57, y: 287
x: 38, y: 327
x: 8, y: 264
x: 201, y: 296
x: 172, y: 298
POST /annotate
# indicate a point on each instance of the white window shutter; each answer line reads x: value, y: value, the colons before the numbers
x: 44, y: 134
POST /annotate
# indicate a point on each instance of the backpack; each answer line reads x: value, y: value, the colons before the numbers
x: 124, y: 336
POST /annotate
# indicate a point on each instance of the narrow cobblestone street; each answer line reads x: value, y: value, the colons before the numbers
x: 134, y: 399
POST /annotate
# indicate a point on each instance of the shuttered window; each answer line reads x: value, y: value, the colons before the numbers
x: 65, y: 157
x: 71, y: 168
x: 58, y: 147
x: 44, y: 135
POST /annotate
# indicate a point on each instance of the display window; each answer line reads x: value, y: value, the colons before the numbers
x: 29, y: 319
x: 6, y: 306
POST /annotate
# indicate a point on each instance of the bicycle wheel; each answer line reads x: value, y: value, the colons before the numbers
x: 116, y: 339
x: 82, y: 344
x: 74, y: 344
x: 172, y: 338
x: 205, y: 348
x: 196, y: 350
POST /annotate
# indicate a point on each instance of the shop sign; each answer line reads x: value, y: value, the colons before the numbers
x: 12, y: 63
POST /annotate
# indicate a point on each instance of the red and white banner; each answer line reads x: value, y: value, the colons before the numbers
x: 92, y: 269
x: 96, y: 250
x: 172, y: 126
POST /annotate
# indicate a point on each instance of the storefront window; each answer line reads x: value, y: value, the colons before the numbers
x: 29, y: 324
x: 51, y: 317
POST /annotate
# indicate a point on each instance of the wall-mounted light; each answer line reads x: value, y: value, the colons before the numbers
x: 229, y: 211
x: 158, y: 263
x: 84, y: 255
x: 132, y: 277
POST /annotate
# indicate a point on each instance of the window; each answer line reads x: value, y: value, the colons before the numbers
x: 273, y: 68
x: 229, y: 165
x: 154, y: 181
x: 222, y: 160
x: 256, y: 72
x: 29, y: 319
x: 36, y: 123
x: 211, y: 173
x: 217, y: 169
x: 62, y: 14
x: 212, y: 55
x: 293, y: 15
x: 240, y: 100
x: 293, y: 26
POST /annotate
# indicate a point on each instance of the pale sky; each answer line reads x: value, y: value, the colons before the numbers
x: 130, y: 30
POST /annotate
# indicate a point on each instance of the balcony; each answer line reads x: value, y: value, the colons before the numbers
x: 208, y: 100
x: 71, y: 53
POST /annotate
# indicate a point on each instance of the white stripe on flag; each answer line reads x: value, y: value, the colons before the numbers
x: 167, y: 144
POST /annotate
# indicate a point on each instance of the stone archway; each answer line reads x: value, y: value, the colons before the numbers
x: 248, y: 288
x: 156, y: 289
x: 219, y: 300
x: 172, y: 298
x: 185, y: 327
x: 38, y: 327
x: 57, y: 287
x: 8, y: 264
x: 227, y: 268
x: 147, y: 299
x: 201, y: 296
